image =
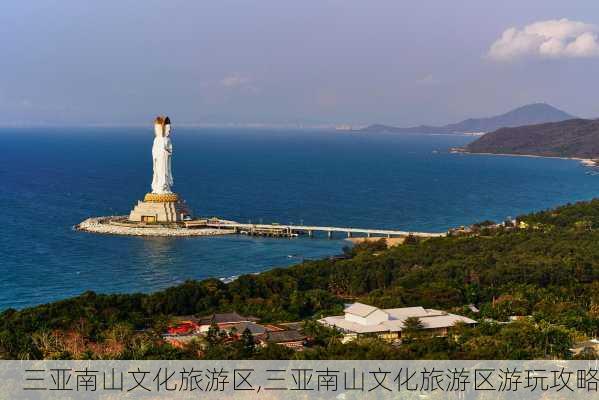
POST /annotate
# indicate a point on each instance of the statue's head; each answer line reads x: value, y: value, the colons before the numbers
x: 162, y: 126
x: 167, y: 126
x: 159, y: 126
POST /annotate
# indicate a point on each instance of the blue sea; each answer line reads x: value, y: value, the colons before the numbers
x: 51, y: 179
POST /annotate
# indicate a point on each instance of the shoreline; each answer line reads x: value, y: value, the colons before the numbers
x: 588, y: 162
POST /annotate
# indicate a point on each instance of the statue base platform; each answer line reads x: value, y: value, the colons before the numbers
x: 121, y: 225
x: 157, y: 208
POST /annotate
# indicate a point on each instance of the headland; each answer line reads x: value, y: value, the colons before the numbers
x: 575, y: 139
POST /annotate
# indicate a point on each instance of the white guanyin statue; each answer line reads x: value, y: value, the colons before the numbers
x: 162, y: 151
x: 161, y: 205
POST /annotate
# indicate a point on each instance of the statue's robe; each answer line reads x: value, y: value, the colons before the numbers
x: 162, y: 180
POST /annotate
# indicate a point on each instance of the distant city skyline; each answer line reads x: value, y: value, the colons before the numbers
x: 309, y: 63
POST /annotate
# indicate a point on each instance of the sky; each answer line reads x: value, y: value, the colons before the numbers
x: 408, y: 62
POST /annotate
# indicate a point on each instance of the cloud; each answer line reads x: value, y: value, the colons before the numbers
x: 547, y: 39
x: 235, y: 81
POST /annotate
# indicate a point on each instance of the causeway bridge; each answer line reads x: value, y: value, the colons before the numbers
x: 295, y: 230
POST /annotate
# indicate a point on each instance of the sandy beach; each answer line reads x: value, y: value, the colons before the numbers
x: 391, y: 242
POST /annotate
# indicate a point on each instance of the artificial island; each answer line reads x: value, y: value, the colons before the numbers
x: 163, y: 212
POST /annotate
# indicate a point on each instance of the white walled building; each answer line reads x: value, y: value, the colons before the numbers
x: 362, y: 319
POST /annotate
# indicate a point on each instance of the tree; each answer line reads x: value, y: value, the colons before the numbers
x: 249, y: 347
x: 274, y: 352
x: 213, y: 334
x: 412, y: 329
x: 319, y: 334
x: 411, y: 239
x: 412, y: 324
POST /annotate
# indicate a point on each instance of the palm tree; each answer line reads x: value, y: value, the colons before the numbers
x: 412, y: 328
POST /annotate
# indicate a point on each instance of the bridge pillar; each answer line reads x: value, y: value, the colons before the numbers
x: 348, y: 234
x: 389, y: 235
x: 310, y: 233
x: 330, y: 234
x: 368, y: 234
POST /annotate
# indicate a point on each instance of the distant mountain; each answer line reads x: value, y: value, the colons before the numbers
x: 530, y: 114
x: 571, y: 138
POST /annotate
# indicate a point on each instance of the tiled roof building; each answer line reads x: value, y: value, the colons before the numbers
x: 362, y: 319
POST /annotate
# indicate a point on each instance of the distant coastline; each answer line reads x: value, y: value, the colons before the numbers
x: 536, y: 113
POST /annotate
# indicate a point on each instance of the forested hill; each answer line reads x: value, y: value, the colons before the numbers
x: 546, y: 269
x: 571, y: 138
x: 535, y: 113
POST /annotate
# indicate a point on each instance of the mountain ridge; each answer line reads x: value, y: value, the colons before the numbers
x: 535, y: 113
